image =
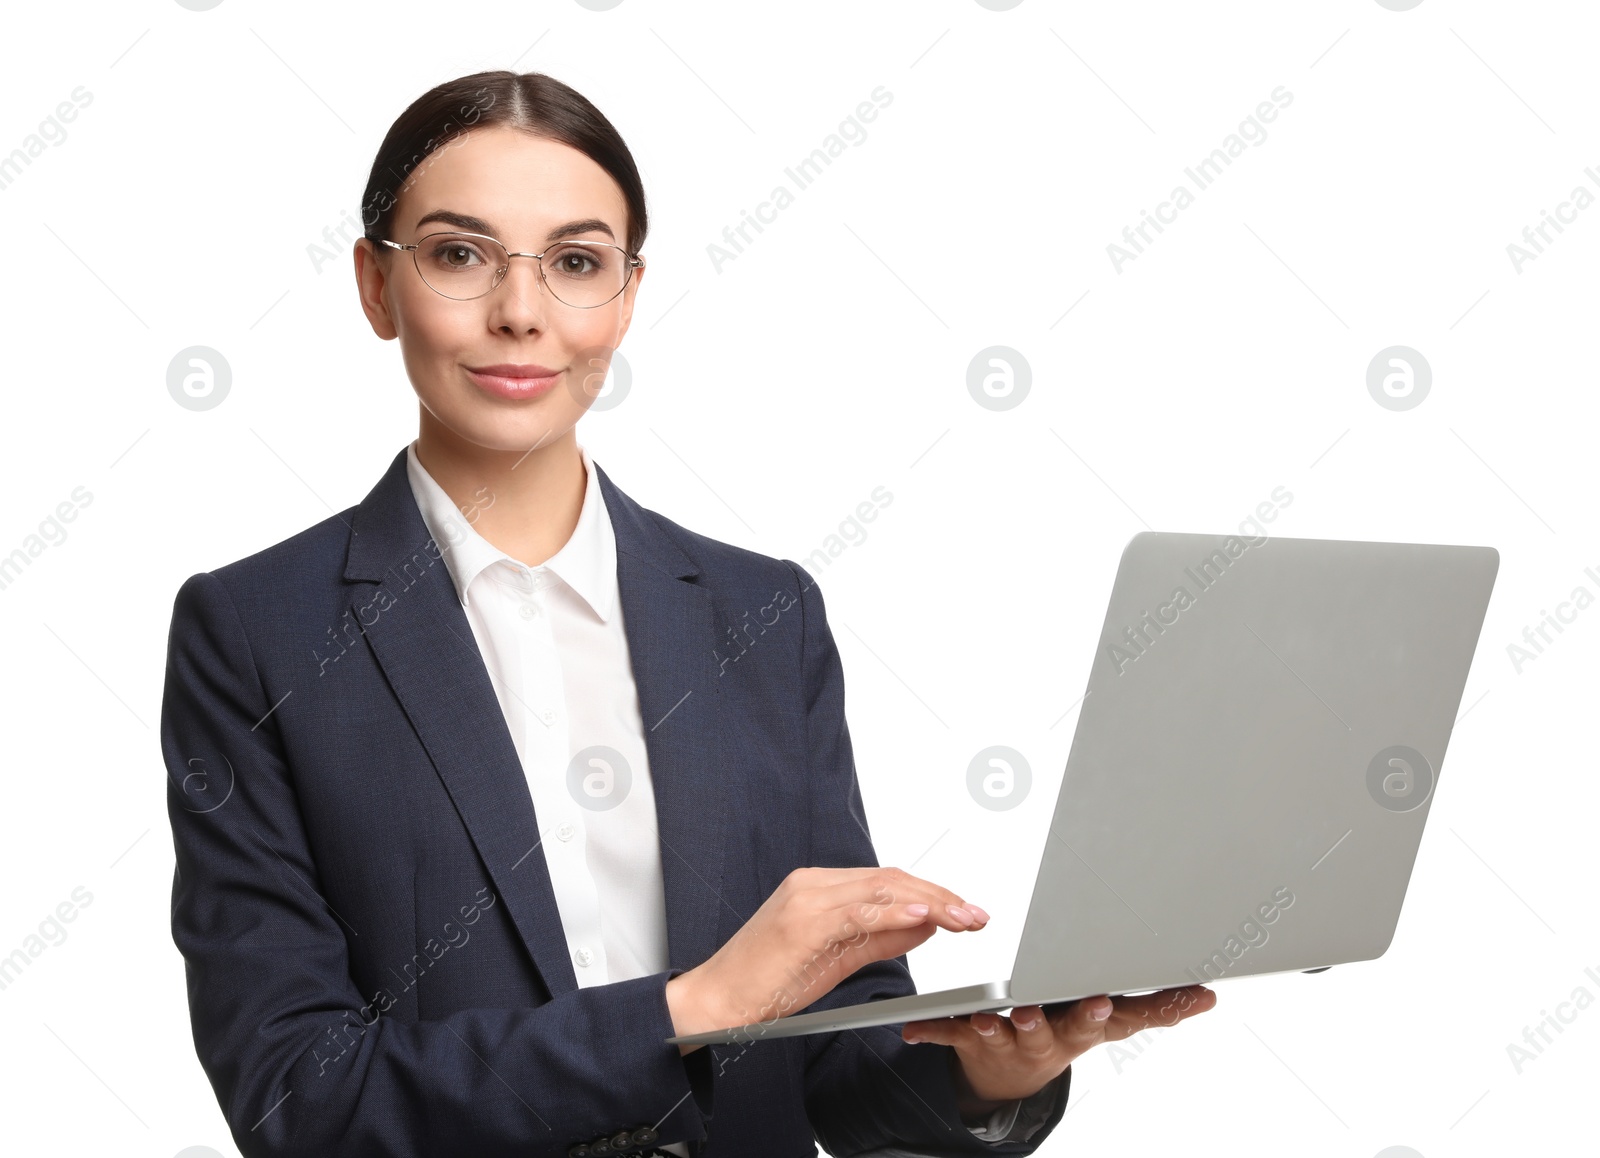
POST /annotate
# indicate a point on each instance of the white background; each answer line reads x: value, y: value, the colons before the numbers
x: 771, y: 397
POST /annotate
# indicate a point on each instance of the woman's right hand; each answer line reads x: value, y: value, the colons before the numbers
x: 819, y: 926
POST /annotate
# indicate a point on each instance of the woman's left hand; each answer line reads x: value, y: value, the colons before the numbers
x: 1001, y: 1059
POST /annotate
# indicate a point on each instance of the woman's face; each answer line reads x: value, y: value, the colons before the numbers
x: 525, y: 191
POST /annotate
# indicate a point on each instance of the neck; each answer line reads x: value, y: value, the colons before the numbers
x: 524, y: 502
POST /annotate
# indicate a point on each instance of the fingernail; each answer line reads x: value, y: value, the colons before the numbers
x: 918, y: 910
x: 1100, y: 1014
x: 960, y: 914
x: 913, y: 1039
x: 986, y: 1029
x: 1029, y: 1024
x: 979, y: 913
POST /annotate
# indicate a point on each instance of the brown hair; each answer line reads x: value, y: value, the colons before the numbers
x: 531, y: 101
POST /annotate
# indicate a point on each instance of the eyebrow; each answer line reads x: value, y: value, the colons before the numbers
x: 478, y: 225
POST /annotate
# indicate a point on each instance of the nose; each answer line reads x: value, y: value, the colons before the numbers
x: 520, y: 301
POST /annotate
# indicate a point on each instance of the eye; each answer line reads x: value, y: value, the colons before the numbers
x: 577, y: 261
x: 456, y: 254
x: 453, y: 253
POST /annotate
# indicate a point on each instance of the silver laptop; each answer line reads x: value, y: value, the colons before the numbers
x: 1263, y: 731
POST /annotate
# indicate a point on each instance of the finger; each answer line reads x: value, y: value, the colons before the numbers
x: 818, y: 878
x: 895, y: 887
x: 849, y: 907
x: 888, y: 944
x: 875, y: 933
x: 892, y: 877
x: 937, y: 1031
x: 944, y: 909
x: 1031, y: 1030
x: 990, y: 1031
x: 1176, y: 1004
x: 891, y: 885
x: 1082, y: 1024
x: 976, y: 1031
x: 1164, y: 1008
x: 859, y: 941
x: 847, y: 938
x: 856, y: 922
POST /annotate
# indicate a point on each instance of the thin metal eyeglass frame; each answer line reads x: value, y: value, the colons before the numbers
x: 634, y: 262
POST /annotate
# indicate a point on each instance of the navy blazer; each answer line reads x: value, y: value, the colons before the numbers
x: 374, y: 958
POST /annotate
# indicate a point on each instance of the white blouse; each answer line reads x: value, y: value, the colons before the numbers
x: 552, y: 638
x: 553, y: 641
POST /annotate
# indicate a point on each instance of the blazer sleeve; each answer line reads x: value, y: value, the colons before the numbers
x: 867, y: 1089
x: 268, y: 978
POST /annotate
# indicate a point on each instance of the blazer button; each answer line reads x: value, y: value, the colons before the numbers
x: 581, y: 1150
x: 621, y: 1141
x: 645, y: 1135
x: 600, y: 1149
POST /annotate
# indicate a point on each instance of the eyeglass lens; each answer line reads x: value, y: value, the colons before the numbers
x: 464, y: 266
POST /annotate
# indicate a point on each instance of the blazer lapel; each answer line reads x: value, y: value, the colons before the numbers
x: 419, y: 634
x: 671, y: 626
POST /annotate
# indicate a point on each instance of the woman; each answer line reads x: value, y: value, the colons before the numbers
x: 485, y: 787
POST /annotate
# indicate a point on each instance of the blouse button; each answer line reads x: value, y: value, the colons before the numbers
x: 566, y: 831
x: 529, y: 611
x: 583, y: 957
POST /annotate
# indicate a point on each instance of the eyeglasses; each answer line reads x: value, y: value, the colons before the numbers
x: 463, y: 266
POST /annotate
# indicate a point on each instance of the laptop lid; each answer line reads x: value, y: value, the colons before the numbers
x: 1263, y: 732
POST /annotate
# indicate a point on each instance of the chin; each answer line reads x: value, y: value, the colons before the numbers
x: 496, y: 428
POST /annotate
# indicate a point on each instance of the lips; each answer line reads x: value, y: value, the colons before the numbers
x: 515, y: 381
x: 513, y: 370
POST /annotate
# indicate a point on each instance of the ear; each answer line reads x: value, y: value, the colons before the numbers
x: 628, y: 296
x: 372, y: 282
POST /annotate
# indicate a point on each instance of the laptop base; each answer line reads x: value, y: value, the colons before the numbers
x: 988, y: 998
